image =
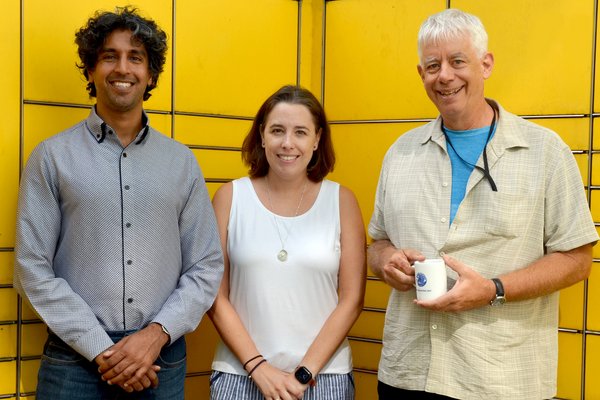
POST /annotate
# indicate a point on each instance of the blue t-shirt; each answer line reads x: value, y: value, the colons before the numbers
x: 469, y: 144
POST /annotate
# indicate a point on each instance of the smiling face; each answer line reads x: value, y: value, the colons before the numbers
x: 121, y: 75
x: 453, y: 75
x: 289, y: 138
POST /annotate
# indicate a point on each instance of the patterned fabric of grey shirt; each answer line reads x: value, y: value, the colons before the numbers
x: 112, y: 238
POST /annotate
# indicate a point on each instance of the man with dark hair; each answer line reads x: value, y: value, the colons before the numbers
x: 117, y: 247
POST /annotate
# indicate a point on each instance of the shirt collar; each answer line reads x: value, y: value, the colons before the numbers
x: 507, y: 133
x: 100, y: 129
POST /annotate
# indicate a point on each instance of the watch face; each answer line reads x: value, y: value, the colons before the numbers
x: 303, y: 375
x: 498, y: 301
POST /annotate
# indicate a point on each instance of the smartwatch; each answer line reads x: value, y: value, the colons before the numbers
x: 303, y: 375
x: 499, y: 299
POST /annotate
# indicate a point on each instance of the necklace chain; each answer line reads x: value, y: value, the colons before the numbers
x: 282, y: 254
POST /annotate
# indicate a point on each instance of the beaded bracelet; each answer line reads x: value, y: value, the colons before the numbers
x: 250, y: 360
x: 256, y: 366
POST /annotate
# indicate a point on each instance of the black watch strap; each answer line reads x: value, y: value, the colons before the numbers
x: 500, y: 298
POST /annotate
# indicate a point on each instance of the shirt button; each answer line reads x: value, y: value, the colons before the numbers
x: 434, y: 326
x: 445, y: 184
x: 124, y: 154
x: 130, y: 300
x: 129, y: 262
x: 443, y: 220
x: 126, y: 187
x: 128, y: 225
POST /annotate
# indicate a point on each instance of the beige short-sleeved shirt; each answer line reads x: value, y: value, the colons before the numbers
x: 507, y: 352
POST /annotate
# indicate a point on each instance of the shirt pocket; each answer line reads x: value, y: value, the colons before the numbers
x: 508, y: 215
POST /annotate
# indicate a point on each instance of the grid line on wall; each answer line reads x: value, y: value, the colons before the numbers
x: 19, y: 343
x: 590, y: 164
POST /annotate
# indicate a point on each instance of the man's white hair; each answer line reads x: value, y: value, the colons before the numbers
x: 452, y: 24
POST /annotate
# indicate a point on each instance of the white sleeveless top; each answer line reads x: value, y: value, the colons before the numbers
x: 283, y: 305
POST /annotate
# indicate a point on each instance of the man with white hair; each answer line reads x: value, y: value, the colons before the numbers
x: 501, y: 200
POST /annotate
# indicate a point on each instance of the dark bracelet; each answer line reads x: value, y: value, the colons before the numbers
x: 250, y: 360
x: 256, y: 366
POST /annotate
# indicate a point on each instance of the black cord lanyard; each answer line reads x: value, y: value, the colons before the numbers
x: 485, y: 170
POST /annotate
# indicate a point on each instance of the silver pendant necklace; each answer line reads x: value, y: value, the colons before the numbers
x: 282, y: 255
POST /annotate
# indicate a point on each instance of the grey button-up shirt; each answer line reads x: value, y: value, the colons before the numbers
x: 112, y: 238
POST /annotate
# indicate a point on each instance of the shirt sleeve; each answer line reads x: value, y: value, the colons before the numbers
x: 568, y: 222
x: 202, y: 262
x: 377, y: 229
x: 38, y: 232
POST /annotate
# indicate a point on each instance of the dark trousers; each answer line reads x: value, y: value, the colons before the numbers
x: 387, y: 392
x: 66, y: 375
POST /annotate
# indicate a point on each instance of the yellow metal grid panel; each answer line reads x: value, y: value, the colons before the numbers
x: 366, y: 386
x: 220, y: 164
x: 206, y: 131
x: 595, y: 203
x: 597, y: 74
x: 8, y: 341
x: 8, y: 299
x: 8, y: 377
x: 160, y: 122
x: 196, y: 387
x: 371, y: 59
x: 570, y: 308
x: 6, y: 267
x: 593, y: 300
x: 9, y: 123
x: 29, y: 371
x: 596, y: 138
x: 231, y: 57
x: 542, y: 52
x: 60, y: 80
x: 596, y: 170
x: 569, y: 365
x: 311, y: 45
x: 377, y: 294
x: 365, y: 355
x: 359, y: 150
x: 596, y: 249
x: 582, y: 164
x: 369, y: 325
x: 592, y: 368
x: 200, y: 346
x: 33, y: 338
x: 27, y: 312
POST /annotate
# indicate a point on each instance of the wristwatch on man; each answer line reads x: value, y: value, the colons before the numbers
x: 165, y: 331
x: 303, y: 375
x: 499, y: 299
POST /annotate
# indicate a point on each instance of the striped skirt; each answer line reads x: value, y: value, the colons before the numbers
x: 224, y: 386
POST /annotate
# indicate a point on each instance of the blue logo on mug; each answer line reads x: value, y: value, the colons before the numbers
x: 421, y: 279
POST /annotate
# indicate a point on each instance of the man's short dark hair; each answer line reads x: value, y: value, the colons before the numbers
x: 91, y: 38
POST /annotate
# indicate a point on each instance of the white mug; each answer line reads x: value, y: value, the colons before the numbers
x: 430, y: 278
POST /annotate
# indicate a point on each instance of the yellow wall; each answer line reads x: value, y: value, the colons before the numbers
x: 223, y: 62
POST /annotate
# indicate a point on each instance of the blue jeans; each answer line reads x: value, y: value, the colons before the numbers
x: 66, y: 375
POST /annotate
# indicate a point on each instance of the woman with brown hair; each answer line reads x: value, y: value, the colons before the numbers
x: 294, y: 247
